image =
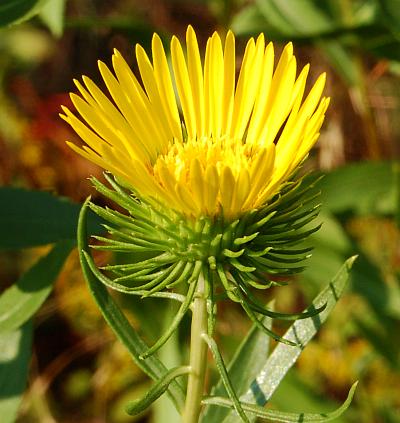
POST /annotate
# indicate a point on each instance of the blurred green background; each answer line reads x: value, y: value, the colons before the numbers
x: 77, y: 371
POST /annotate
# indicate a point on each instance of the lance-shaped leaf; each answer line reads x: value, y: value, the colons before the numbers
x: 285, y: 417
x: 19, y: 302
x: 117, y: 320
x: 245, y: 365
x: 15, y: 354
x: 301, y: 332
x: 32, y: 218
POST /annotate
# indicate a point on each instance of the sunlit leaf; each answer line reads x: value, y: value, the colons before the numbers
x: 302, y: 396
x: 285, y: 417
x: 118, y: 322
x: 52, y: 14
x: 19, y: 302
x: 243, y: 368
x: 15, y: 353
x: 302, y: 331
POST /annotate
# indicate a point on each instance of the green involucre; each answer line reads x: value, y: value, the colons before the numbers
x: 240, y: 256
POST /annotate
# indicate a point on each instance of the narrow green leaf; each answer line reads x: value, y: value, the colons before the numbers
x: 301, y: 332
x: 219, y: 361
x: 32, y: 218
x: 152, y: 366
x: 245, y: 365
x: 21, y: 301
x: 285, y: 417
x: 302, y: 396
x: 52, y: 14
x: 15, y: 354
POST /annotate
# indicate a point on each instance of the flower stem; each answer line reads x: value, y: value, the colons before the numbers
x: 198, y: 356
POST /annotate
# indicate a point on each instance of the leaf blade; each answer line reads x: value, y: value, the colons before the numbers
x: 30, y: 218
x: 15, y: 353
x: 19, y: 302
x: 283, y: 357
x: 113, y: 315
x: 242, y: 369
x: 16, y: 11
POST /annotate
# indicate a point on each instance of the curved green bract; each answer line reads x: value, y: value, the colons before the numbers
x: 139, y: 405
x: 117, y: 320
x: 239, y: 254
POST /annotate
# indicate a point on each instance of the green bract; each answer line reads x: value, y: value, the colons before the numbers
x: 239, y: 256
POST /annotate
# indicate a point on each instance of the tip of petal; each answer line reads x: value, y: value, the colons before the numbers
x: 156, y: 40
x: 261, y: 38
x: 116, y: 52
x: 174, y: 41
x: 64, y: 109
x: 139, y: 50
x: 74, y: 97
x: 101, y: 65
x: 230, y: 35
x: 86, y: 79
x: 190, y: 31
x: 288, y: 49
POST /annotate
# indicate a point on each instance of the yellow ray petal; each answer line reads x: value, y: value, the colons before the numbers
x: 258, y: 118
x: 196, y: 80
x: 230, y: 159
x: 184, y: 88
x: 164, y: 84
x: 229, y: 82
x: 213, y: 86
x: 150, y: 84
x: 149, y: 141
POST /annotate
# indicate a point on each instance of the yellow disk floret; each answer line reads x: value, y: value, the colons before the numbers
x: 218, y: 144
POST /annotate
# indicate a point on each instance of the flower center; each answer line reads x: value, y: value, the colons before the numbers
x: 218, y: 153
x: 207, y: 176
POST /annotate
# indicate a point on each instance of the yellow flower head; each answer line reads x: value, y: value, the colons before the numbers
x: 216, y: 144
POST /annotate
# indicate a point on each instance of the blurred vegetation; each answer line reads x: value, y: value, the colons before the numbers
x: 79, y: 373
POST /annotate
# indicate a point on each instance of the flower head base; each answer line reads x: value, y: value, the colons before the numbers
x: 240, y: 255
x: 232, y: 146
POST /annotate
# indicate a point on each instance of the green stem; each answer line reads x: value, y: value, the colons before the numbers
x: 198, y: 356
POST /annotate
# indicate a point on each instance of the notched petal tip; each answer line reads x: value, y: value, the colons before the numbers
x: 65, y: 109
x: 116, y: 52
